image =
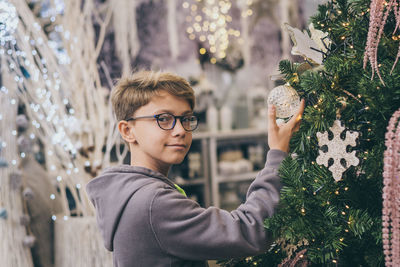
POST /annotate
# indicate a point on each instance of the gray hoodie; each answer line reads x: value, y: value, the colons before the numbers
x: 146, y: 222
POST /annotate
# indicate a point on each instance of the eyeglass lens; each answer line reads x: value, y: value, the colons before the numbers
x: 167, y: 122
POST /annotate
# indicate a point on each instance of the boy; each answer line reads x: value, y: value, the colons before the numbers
x: 144, y: 218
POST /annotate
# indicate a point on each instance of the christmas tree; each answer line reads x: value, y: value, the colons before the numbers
x: 331, y: 212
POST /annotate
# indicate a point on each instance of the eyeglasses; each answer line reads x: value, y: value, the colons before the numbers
x: 167, y: 121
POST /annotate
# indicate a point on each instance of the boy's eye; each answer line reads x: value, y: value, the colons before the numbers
x: 165, y: 118
x: 190, y: 118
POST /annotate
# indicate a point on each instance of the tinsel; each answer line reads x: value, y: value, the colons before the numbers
x: 379, y: 12
x: 391, y: 193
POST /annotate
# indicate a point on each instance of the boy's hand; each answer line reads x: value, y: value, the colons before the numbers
x: 279, y: 136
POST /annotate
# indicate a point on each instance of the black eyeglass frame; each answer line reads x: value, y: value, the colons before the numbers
x: 157, y: 116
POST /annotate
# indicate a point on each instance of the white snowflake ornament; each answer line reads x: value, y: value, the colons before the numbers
x: 337, y: 150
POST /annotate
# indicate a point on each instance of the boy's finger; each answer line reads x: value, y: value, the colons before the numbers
x: 272, y: 118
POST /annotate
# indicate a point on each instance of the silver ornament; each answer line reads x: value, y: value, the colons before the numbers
x: 29, y: 241
x: 22, y: 122
x: 285, y: 99
x: 24, y: 144
x: 28, y: 194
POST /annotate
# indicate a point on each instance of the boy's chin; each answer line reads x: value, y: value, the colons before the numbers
x: 177, y: 160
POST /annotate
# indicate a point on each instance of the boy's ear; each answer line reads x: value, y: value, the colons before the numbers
x: 126, y: 132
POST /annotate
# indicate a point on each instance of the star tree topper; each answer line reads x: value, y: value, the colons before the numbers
x: 337, y: 150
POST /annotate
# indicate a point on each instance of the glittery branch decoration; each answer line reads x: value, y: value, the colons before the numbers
x: 379, y: 12
x: 299, y: 260
x: 391, y: 193
x: 337, y: 150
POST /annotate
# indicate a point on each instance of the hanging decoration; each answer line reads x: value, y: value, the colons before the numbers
x: 337, y: 150
x: 3, y: 213
x: 29, y: 241
x: 379, y: 12
x: 3, y: 162
x: 313, y: 48
x: 209, y: 23
x: 285, y: 99
x: 391, y: 193
x: 8, y: 21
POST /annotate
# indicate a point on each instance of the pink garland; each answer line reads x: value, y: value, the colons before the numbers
x: 379, y: 12
x: 391, y: 193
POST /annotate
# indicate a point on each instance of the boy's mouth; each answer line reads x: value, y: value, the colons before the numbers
x: 177, y: 145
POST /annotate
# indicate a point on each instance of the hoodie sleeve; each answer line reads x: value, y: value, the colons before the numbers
x: 184, y: 229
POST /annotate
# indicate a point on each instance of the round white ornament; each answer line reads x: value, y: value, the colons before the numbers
x: 285, y: 99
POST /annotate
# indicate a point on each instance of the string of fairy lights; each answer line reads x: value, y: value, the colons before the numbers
x: 209, y: 23
x: 46, y: 103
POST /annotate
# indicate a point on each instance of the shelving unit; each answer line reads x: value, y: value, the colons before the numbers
x: 241, y: 136
x: 208, y: 143
x: 189, y: 185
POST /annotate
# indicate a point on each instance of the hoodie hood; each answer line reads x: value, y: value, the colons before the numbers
x: 111, y: 191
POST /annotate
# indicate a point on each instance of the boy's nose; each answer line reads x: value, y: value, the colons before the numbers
x: 178, y: 129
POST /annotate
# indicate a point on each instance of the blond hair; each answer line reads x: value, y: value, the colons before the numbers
x: 135, y: 91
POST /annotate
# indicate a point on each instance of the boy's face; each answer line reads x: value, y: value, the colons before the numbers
x: 153, y: 147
